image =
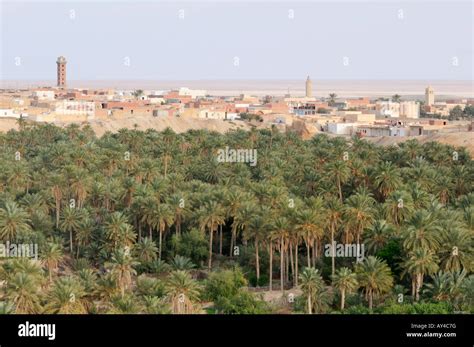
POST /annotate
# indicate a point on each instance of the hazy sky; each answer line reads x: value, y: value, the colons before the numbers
x: 238, y: 40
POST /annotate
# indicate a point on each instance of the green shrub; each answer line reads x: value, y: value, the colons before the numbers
x: 192, y: 245
x: 241, y: 303
x: 224, y: 284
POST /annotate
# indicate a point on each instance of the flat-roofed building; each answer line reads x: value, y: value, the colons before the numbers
x: 341, y: 128
x: 409, y: 109
x: 43, y: 94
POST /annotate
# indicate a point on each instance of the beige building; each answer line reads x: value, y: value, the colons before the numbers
x: 75, y: 107
x: 356, y: 116
x: 212, y: 114
x: 409, y: 109
x: 42, y: 95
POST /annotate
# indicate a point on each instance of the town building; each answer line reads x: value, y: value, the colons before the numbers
x: 61, y: 72
x: 309, y: 88
x: 429, y: 96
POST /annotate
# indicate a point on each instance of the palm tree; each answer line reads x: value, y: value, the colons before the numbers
x: 137, y: 93
x: 241, y: 219
x: 314, y: 290
x: 211, y: 215
x: 396, y: 98
x: 332, y: 98
x: 22, y: 290
x: 421, y: 232
x: 119, y: 231
x: 281, y: 232
x: 70, y: 222
x: 346, y: 282
x: 176, y: 202
x: 310, y: 228
x: 182, y: 292
x: 359, y: 213
x: 121, y: 267
x: 52, y: 256
x: 66, y: 297
x: 334, y: 214
x: 375, y: 277
x: 456, y: 252
x: 233, y: 200
x: 257, y: 229
x: 56, y: 183
x: 421, y: 262
x: 161, y: 219
x: 13, y: 221
x: 146, y: 250
x: 340, y: 172
x: 181, y: 263
x: 378, y: 235
x: 398, y: 207
x: 387, y: 179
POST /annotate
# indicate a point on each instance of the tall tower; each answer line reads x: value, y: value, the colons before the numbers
x: 309, y: 88
x: 61, y: 74
x: 429, y: 96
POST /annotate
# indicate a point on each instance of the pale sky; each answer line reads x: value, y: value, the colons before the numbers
x: 237, y: 40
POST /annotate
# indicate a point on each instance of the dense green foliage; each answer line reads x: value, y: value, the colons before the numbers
x: 151, y: 222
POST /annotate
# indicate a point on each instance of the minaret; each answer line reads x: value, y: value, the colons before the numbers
x: 61, y: 74
x: 309, y: 88
x: 429, y: 96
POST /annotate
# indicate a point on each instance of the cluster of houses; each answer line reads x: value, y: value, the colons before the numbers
x: 363, y: 116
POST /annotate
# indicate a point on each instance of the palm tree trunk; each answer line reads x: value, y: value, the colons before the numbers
x: 343, y: 298
x: 314, y: 253
x: 58, y: 208
x: 308, y: 253
x: 270, y: 275
x: 296, y: 265
x: 310, y: 306
x: 339, y: 188
x: 159, y: 243
x: 418, y: 286
x: 370, y: 300
x: 333, y: 251
x: 257, y: 262
x: 292, y: 263
x: 210, y: 249
x: 282, y: 265
x: 70, y: 241
x: 232, y: 239
x: 150, y: 230
x: 220, y: 239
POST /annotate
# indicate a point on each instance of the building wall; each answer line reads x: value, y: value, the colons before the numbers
x: 43, y: 94
x: 341, y: 128
x: 69, y: 107
x: 212, y: 114
x: 8, y: 113
x: 409, y: 109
